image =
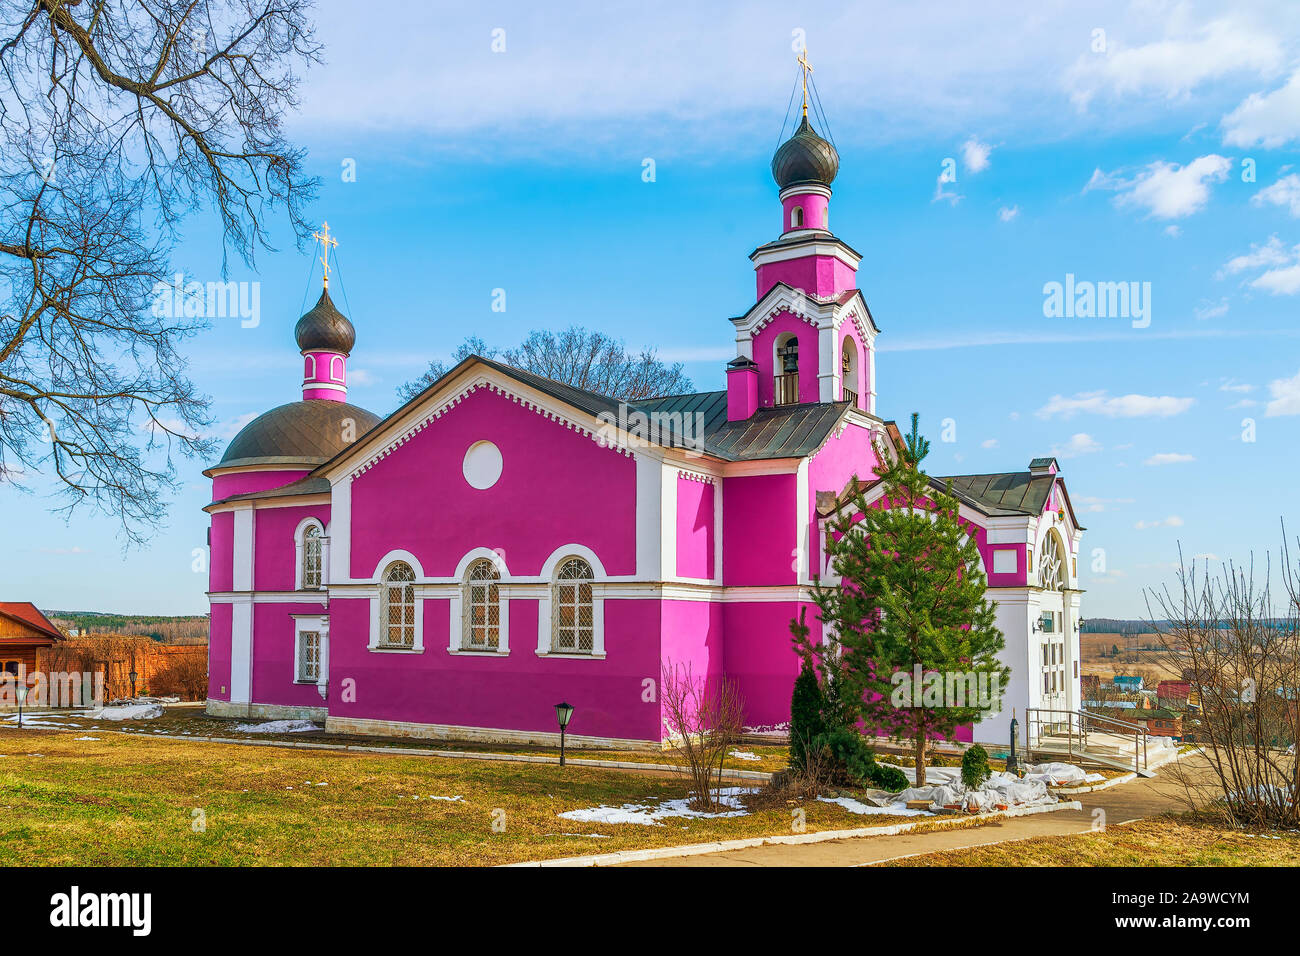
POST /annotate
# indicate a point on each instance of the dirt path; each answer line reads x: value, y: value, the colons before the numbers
x: 1129, y: 801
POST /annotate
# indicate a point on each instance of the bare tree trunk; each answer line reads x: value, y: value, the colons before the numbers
x: 920, y: 758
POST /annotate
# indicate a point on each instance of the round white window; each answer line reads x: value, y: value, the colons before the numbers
x: 482, y: 465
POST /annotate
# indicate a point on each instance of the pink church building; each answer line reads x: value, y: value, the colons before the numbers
x: 503, y: 542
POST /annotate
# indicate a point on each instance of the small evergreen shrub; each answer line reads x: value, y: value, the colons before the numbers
x: 852, y: 759
x: 889, y: 778
x: 806, y: 704
x: 975, y: 767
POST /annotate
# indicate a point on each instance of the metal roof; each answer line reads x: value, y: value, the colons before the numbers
x: 308, y: 432
x: 1017, y: 492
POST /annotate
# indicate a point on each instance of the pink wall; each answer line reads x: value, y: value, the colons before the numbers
x: 760, y: 656
x: 221, y: 552
x: 816, y: 212
x: 273, y: 656
x: 517, y: 691
x: 862, y: 381
x: 274, y: 545
x: 819, y: 275
x: 831, y: 469
x: 219, y: 624
x: 765, y: 357
x: 243, y: 482
x: 694, y: 528
x: 557, y: 487
x: 758, y: 530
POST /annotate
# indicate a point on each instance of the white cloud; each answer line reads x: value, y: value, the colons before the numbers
x: 1271, y: 253
x: 1211, y: 310
x: 362, y: 377
x: 1244, y: 403
x: 1205, y: 556
x: 1165, y: 190
x: 1121, y: 406
x: 232, y: 426
x: 1169, y: 458
x: 1007, y: 213
x: 942, y: 193
x: 989, y: 443
x: 1279, y: 281
x: 1284, y: 192
x: 975, y: 155
x: 1173, y: 232
x: 1281, y: 275
x: 1173, y: 521
x: 1079, y: 444
x: 1266, y: 119
x: 1174, y: 65
x: 1285, y: 394
x: 1232, y: 385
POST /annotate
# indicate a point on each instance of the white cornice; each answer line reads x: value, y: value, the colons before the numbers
x: 817, y: 312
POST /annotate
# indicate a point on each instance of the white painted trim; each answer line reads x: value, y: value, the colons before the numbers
x: 668, y: 525
x: 303, y: 623
x: 243, y: 552
x: 402, y: 728
x: 375, y: 645
x: 456, y: 607
x: 802, y: 509
x: 804, y: 189
x: 299, y: 547
x: 830, y: 247
x: 549, y: 570
x: 649, y: 511
x: 341, y: 530
x: 241, y: 651
x: 397, y: 554
x: 323, y: 384
x: 269, y: 597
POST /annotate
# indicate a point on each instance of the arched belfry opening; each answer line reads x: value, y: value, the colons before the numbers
x: 785, y: 390
x: 849, y: 371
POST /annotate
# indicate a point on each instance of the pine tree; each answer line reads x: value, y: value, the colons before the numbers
x: 805, y: 713
x: 911, y: 600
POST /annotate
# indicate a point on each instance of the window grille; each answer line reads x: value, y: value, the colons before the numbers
x: 481, y: 627
x: 572, y: 613
x: 311, y: 557
x: 397, y: 614
x: 309, y: 656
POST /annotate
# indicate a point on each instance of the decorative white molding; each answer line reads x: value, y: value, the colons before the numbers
x: 299, y: 547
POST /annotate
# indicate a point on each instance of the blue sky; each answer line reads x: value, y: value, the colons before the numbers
x: 1109, y: 144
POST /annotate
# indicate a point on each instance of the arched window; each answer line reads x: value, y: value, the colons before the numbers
x: 572, y: 612
x: 397, y: 606
x: 336, y: 368
x: 849, y: 371
x: 1051, y: 563
x: 481, y: 628
x: 796, y: 217
x: 311, y: 557
x: 785, y: 389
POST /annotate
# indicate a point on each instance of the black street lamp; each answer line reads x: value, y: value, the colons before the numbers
x: 133, y: 676
x: 22, y: 699
x: 563, y: 714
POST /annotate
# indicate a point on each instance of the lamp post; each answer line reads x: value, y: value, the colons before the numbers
x: 133, y: 676
x: 563, y: 714
x: 22, y: 699
x: 1011, y: 755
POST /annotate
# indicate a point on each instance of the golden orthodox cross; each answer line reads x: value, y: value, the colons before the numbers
x: 325, y: 241
x: 807, y: 68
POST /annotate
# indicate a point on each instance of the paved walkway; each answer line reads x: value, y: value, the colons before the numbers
x: 1122, y: 804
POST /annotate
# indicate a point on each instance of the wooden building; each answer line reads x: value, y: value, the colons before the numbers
x: 24, y: 631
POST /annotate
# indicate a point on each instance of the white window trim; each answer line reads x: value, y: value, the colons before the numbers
x: 299, y: 547
x: 456, y: 619
x: 549, y: 570
x: 375, y: 645
x: 303, y: 624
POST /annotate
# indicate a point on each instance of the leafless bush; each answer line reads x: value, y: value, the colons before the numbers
x: 1242, y: 653
x: 703, y: 718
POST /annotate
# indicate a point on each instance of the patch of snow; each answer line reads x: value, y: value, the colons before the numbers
x: 127, y: 712
x: 85, y: 738
x: 278, y: 727
x: 651, y: 814
x: 896, y: 809
x: 455, y: 799
x: 744, y: 755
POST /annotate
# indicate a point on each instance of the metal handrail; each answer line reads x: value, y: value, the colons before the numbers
x: 1034, y: 722
x: 786, y: 390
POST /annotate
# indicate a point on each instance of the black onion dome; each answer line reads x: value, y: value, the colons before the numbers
x: 309, y: 432
x: 805, y: 158
x: 325, y: 327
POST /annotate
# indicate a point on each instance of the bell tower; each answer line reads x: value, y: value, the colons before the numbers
x: 810, y: 337
x: 325, y: 338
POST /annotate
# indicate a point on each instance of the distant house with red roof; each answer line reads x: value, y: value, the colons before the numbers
x: 24, y: 630
x: 1173, y: 694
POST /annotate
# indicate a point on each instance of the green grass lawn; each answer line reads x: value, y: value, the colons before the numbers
x: 1161, y: 841
x: 131, y: 800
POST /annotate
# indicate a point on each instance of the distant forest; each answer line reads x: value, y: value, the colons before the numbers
x: 1115, y: 625
x: 182, y: 629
